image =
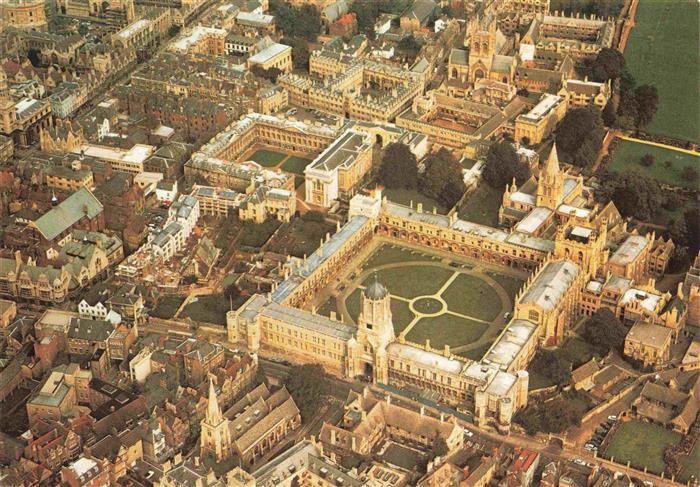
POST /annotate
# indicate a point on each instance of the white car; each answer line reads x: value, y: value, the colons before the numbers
x: 468, y: 433
x: 578, y: 461
x: 590, y: 447
x: 612, y: 418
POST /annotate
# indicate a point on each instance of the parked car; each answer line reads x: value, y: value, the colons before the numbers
x: 612, y: 417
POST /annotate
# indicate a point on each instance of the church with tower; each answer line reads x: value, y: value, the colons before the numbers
x: 250, y: 428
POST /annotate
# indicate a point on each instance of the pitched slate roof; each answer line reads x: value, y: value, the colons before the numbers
x: 68, y: 213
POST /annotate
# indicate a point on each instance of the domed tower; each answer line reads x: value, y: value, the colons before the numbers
x: 375, y: 325
x: 375, y: 329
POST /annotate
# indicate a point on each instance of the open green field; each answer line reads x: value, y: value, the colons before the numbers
x: 446, y: 329
x: 295, y: 165
x: 481, y: 205
x: 663, y: 50
x: 642, y: 444
x: 628, y: 154
x: 406, y: 196
x: 267, y: 158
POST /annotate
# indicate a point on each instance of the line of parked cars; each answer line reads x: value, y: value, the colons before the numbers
x: 600, y: 433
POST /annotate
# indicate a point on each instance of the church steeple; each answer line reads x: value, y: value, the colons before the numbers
x: 550, y: 184
x: 216, y: 436
x: 214, y: 415
x: 551, y: 167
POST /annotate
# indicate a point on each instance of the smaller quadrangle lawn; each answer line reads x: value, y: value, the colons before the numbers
x: 267, y: 158
x: 629, y: 153
x: 295, y: 165
x: 642, y: 444
x: 446, y: 329
x: 412, y: 281
x: 471, y: 296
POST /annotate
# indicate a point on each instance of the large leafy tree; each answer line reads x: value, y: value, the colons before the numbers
x: 647, y: 99
x: 443, y: 179
x: 303, y: 21
x: 580, y: 136
x: 635, y: 194
x: 608, y: 64
x: 307, y: 384
x: 399, y: 168
x: 502, y: 165
x: 605, y: 332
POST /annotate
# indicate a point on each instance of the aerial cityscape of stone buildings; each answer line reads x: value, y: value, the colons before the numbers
x: 339, y: 243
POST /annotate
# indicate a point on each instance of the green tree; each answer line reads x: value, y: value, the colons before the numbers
x: 440, y: 447
x: 647, y: 98
x: 502, y: 165
x: 635, y: 194
x: 300, y: 51
x: 689, y: 173
x: 441, y: 171
x: 608, y: 64
x: 647, y: 160
x: 231, y: 293
x: 399, y: 168
x: 307, y: 384
x: 366, y: 13
x: 580, y: 136
x: 609, y: 115
x: 409, y: 44
x: 605, y: 332
x: 553, y: 365
x: 303, y: 21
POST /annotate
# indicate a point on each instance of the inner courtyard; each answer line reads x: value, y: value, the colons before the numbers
x: 456, y: 302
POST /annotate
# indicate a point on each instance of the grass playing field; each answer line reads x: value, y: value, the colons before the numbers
x: 267, y: 158
x: 642, y: 444
x: 628, y: 154
x: 663, y: 50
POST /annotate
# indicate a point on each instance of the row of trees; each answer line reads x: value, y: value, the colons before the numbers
x: 554, y: 415
x: 299, y: 22
x: 637, y: 105
x: 441, y: 179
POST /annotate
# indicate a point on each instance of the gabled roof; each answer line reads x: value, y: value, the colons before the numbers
x: 78, y: 205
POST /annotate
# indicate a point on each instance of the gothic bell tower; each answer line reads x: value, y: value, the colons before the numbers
x: 376, y: 329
